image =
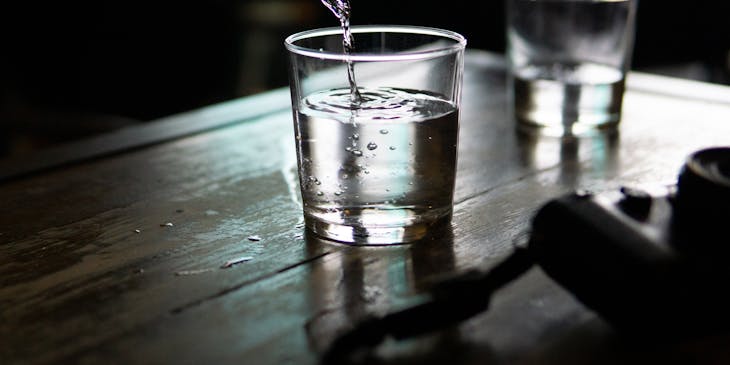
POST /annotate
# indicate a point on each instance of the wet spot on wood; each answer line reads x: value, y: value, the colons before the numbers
x: 192, y: 272
x: 236, y: 261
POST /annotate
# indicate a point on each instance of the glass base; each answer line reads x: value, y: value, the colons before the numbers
x: 376, y: 235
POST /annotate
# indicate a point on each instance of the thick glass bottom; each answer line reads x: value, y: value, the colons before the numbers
x: 356, y: 230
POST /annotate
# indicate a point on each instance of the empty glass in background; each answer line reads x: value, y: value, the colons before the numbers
x: 568, y: 62
x: 380, y: 171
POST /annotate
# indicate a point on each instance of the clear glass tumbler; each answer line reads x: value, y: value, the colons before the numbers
x: 568, y: 61
x: 378, y: 167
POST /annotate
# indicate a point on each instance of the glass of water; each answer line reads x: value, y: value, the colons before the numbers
x: 568, y: 61
x: 376, y: 130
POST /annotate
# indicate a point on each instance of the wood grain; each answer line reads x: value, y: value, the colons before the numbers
x: 90, y: 271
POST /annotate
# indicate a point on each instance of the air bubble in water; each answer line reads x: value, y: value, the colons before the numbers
x: 392, y: 148
x: 383, y: 131
x: 372, y: 146
x: 357, y: 153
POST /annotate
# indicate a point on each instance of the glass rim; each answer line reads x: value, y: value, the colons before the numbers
x: 459, y: 43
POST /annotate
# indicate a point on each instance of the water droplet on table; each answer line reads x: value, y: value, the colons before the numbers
x: 191, y: 272
x: 236, y: 261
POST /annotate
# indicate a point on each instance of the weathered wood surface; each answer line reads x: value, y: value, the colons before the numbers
x: 90, y: 272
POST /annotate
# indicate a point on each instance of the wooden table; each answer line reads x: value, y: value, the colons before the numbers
x: 111, y: 249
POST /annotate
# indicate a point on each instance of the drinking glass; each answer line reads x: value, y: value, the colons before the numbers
x: 376, y: 166
x: 568, y: 62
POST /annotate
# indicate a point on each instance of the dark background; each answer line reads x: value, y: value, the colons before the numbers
x: 70, y: 69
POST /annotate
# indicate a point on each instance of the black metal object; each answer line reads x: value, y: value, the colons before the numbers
x: 653, y: 267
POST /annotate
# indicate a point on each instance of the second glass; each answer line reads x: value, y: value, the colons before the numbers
x: 568, y: 63
x: 378, y: 167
